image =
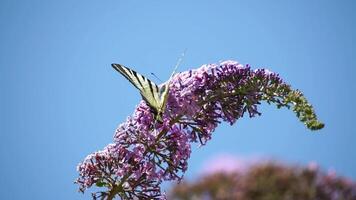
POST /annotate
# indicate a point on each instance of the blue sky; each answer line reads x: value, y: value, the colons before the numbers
x: 60, y: 99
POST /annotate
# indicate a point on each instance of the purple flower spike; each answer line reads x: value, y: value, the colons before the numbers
x: 145, y: 153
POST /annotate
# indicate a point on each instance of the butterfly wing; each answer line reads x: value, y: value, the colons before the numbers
x: 164, y: 90
x: 148, y: 89
x: 163, y: 96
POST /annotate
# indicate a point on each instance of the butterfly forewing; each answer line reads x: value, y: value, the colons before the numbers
x: 148, y: 89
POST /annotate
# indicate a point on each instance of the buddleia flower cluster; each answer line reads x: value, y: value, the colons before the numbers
x: 146, y: 153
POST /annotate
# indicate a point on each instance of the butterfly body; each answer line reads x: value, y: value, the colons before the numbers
x: 155, y: 96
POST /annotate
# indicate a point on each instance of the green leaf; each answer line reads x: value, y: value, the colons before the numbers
x: 100, y: 184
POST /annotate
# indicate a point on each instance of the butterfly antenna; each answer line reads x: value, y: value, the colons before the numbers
x: 179, y: 61
x: 153, y: 74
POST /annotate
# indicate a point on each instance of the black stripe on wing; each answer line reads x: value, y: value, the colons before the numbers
x: 147, y: 87
x: 120, y: 69
x: 153, y: 109
x: 135, y: 74
x: 151, y: 88
x: 129, y: 74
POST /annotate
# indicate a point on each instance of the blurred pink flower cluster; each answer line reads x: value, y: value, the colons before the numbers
x: 264, y: 180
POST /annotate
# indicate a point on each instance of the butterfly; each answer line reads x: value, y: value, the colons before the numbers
x: 155, y: 96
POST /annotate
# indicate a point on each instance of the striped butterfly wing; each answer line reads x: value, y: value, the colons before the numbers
x: 163, y: 96
x: 164, y: 90
x: 150, y: 92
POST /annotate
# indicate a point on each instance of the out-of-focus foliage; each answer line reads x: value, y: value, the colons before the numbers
x: 268, y: 181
